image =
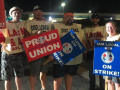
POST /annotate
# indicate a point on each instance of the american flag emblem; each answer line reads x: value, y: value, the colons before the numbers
x: 107, y: 57
x: 67, y: 48
x: 41, y: 39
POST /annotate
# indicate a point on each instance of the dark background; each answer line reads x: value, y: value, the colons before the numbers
x: 79, y: 6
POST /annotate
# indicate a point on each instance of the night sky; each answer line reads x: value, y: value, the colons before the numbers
x: 79, y: 6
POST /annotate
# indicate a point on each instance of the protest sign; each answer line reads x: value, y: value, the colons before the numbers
x: 2, y: 15
x: 107, y: 58
x: 38, y: 46
x: 72, y: 47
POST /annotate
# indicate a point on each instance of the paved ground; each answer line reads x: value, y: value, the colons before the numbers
x: 80, y: 82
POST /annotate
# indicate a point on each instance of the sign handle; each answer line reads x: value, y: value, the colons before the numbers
x: 46, y: 62
x: 106, y: 84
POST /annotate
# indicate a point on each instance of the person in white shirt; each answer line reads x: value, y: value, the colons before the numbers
x: 38, y: 24
x: 69, y: 69
x: 95, y: 32
x: 12, y: 58
x: 113, y: 82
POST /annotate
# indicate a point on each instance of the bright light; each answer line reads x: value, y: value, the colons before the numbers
x: 62, y: 4
x: 74, y: 17
x: 54, y: 20
x: 111, y: 18
x: 90, y: 11
x: 50, y: 18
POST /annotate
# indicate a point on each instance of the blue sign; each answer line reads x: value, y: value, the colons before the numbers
x: 107, y: 58
x: 72, y: 47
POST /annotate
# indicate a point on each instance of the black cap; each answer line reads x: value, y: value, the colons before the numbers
x: 95, y: 15
x: 37, y: 7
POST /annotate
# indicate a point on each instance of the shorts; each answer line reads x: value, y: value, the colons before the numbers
x: 67, y: 69
x: 37, y: 66
x: 12, y: 65
x: 114, y: 79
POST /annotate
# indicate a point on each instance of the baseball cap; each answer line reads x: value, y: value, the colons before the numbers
x: 95, y: 15
x: 13, y: 9
x: 37, y: 7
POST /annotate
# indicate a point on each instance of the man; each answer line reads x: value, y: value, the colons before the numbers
x: 12, y: 55
x: 71, y: 67
x: 93, y: 33
x: 38, y: 24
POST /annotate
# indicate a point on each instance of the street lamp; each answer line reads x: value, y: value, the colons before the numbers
x: 50, y: 18
x: 90, y: 11
x: 111, y: 18
x: 63, y: 5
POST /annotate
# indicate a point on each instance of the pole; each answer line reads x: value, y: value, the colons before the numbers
x: 106, y: 84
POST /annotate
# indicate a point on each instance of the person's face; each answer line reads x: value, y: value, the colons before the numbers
x: 38, y: 14
x: 68, y: 19
x: 95, y: 21
x: 16, y: 15
x: 110, y: 29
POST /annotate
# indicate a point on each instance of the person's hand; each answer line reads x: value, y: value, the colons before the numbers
x: 40, y: 32
x: 50, y: 58
x: 110, y: 82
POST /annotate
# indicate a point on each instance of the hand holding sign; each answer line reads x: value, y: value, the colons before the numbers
x: 50, y: 58
x: 40, y: 32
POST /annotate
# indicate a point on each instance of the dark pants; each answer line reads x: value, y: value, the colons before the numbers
x: 92, y: 77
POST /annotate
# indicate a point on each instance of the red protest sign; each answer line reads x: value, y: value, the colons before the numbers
x: 38, y: 46
x: 2, y: 15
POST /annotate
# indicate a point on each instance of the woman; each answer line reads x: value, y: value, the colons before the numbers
x: 113, y: 82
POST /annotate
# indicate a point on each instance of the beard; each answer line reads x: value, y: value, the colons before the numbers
x: 95, y: 23
x: 69, y: 22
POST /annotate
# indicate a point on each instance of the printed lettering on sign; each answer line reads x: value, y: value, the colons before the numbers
x: 106, y: 59
x: 2, y: 15
x: 38, y: 46
x: 2, y: 24
x: 72, y: 47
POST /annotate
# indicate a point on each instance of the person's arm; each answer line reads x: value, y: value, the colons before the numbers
x: 26, y: 34
x: 50, y: 57
x: 85, y: 52
x: 84, y: 44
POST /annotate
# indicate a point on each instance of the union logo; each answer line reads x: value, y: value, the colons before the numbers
x: 67, y: 48
x: 107, y: 57
x: 41, y: 39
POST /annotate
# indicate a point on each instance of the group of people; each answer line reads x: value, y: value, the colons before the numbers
x: 13, y: 55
